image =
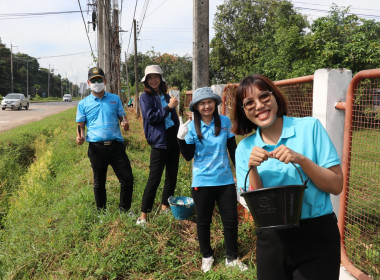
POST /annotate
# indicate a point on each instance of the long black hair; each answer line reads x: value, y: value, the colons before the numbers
x: 197, y: 122
x: 162, y: 87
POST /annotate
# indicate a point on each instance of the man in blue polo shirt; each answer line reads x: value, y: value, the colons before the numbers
x: 101, y: 112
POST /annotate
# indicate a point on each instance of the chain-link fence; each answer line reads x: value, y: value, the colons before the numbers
x: 359, y: 217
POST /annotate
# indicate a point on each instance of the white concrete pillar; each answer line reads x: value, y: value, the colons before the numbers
x: 218, y: 89
x: 330, y: 87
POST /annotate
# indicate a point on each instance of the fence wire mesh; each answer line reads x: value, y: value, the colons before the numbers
x: 300, y: 98
x: 361, y: 236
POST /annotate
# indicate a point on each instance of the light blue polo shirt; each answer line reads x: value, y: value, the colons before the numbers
x: 101, y: 117
x: 168, y: 120
x: 306, y: 136
x: 211, y: 165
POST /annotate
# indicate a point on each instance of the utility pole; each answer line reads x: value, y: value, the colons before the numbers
x: 115, y: 53
x: 201, y: 71
x: 104, y: 37
x: 126, y: 71
x: 49, y: 82
x: 27, y: 78
x: 12, y: 67
x: 137, y: 101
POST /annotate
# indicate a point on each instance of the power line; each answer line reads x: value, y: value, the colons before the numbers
x: 61, y: 55
x: 350, y: 6
x: 326, y: 11
x: 145, y: 8
x: 84, y: 22
x: 130, y: 33
x: 157, y: 8
x: 30, y: 15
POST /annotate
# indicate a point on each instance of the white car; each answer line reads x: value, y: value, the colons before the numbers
x: 15, y: 101
x: 67, y: 98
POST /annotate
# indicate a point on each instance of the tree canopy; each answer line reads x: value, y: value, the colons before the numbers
x: 272, y: 38
x: 177, y: 70
x: 27, y: 71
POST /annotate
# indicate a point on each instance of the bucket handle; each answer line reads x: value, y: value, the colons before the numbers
x: 299, y: 172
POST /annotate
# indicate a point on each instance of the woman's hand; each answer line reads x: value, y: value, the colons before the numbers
x: 326, y: 179
x: 286, y: 155
x: 258, y: 155
x: 173, y: 102
x: 183, y: 129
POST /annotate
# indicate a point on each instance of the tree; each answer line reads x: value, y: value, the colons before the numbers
x: 271, y: 38
x: 36, y: 88
x: 263, y: 36
x: 342, y: 40
x: 177, y: 70
x: 26, y: 70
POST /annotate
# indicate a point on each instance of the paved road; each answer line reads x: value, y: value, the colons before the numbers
x: 37, y: 111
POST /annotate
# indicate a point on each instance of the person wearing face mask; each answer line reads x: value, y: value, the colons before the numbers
x: 161, y: 123
x: 312, y: 250
x: 103, y: 114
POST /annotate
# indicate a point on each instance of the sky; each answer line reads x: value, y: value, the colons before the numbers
x: 64, y: 41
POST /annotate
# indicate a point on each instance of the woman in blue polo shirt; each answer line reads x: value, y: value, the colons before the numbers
x: 206, y: 139
x: 311, y: 251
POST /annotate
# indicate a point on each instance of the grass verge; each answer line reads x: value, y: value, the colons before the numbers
x: 51, y: 230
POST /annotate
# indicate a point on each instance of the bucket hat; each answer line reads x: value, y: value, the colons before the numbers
x: 153, y: 69
x: 203, y: 93
x: 95, y: 72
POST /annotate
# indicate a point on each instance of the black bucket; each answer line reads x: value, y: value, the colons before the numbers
x: 276, y: 207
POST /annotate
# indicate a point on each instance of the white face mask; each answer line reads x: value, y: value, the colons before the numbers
x: 97, y: 87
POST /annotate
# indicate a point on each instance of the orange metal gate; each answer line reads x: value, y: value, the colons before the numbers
x: 359, y: 210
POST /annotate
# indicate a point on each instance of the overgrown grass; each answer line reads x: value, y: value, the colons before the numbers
x: 51, y: 229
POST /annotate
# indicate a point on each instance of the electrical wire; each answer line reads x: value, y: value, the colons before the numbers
x: 157, y: 8
x: 350, y: 6
x: 69, y: 54
x: 130, y: 33
x: 38, y: 14
x: 145, y: 8
x: 92, y: 52
x: 32, y: 15
x: 326, y: 11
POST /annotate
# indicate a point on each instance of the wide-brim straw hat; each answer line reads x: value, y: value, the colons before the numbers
x: 153, y: 69
x: 203, y: 93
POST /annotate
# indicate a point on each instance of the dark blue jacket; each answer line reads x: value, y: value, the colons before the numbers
x: 154, y: 119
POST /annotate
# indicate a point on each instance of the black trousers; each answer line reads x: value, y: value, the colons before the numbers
x: 225, y: 197
x: 100, y: 157
x: 159, y: 159
x: 310, y: 252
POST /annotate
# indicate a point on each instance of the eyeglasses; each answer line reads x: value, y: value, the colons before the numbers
x: 96, y: 79
x: 264, y: 98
